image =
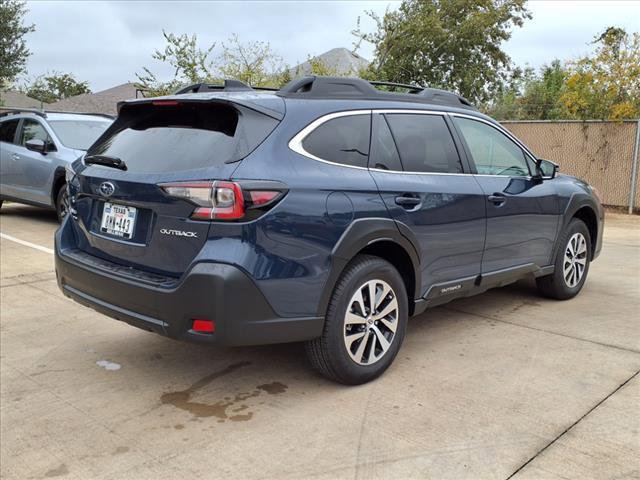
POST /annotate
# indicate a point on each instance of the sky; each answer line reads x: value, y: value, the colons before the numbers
x: 106, y: 43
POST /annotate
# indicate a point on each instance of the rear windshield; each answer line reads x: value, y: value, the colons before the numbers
x: 150, y: 138
x: 79, y: 134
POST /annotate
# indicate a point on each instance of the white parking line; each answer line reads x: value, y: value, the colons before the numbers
x: 26, y: 244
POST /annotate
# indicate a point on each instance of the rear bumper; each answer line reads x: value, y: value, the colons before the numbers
x: 212, y: 291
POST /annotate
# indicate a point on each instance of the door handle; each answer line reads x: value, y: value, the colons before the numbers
x: 497, y: 199
x: 408, y: 201
x: 15, y: 156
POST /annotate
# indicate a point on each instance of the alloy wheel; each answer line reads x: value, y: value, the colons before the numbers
x: 370, y: 322
x: 63, y: 207
x: 575, y: 260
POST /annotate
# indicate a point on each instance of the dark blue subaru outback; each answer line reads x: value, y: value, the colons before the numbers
x: 328, y: 212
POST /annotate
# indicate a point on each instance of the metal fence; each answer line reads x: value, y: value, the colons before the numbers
x: 603, y: 153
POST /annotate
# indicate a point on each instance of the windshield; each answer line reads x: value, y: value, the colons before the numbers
x: 79, y: 134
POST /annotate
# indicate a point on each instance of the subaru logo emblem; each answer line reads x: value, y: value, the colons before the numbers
x: 106, y: 189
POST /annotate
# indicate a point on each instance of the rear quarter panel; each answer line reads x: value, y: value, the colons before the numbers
x: 288, y: 251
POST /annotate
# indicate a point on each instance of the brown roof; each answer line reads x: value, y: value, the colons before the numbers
x: 11, y: 98
x: 98, y: 102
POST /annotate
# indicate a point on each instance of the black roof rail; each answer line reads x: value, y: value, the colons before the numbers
x: 411, y: 88
x: 323, y: 87
x: 97, y: 114
x: 358, y: 88
x: 4, y: 111
x: 229, y: 85
x: 15, y: 110
x: 436, y: 95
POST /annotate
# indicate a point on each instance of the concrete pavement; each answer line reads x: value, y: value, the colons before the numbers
x: 503, y: 385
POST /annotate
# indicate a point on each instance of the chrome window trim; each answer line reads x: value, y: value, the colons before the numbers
x: 295, y: 143
x: 408, y: 111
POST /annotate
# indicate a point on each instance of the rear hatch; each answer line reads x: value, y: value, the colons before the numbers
x: 122, y: 214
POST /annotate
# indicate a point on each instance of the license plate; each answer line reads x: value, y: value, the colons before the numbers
x: 118, y: 220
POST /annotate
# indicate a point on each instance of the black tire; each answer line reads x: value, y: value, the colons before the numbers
x: 555, y: 285
x: 62, y: 202
x: 329, y: 354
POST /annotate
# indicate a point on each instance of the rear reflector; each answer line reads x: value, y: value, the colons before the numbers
x: 204, y: 326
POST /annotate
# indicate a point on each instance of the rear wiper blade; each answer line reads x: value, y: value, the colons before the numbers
x: 107, y: 161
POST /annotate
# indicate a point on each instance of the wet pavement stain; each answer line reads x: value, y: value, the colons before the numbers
x: 273, y: 388
x: 121, y: 450
x: 182, y: 399
x: 242, y: 418
x: 57, y: 472
x: 223, y: 409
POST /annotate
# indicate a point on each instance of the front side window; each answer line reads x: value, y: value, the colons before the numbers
x: 32, y: 129
x: 342, y: 140
x: 492, y: 151
x: 8, y: 131
x: 424, y: 142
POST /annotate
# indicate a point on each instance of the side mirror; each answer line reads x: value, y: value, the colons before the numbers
x: 546, y: 168
x: 36, y: 145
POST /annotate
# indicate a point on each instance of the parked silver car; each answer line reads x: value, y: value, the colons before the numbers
x: 36, y: 146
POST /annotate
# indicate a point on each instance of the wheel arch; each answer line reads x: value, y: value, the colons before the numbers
x: 582, y: 207
x: 381, y: 237
x: 589, y: 217
x: 58, y: 182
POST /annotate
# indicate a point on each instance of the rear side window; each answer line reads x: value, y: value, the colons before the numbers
x: 150, y: 138
x: 78, y: 134
x: 384, y: 154
x: 8, y: 131
x: 425, y: 143
x: 342, y: 140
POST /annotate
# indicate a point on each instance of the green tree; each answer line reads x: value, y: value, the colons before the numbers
x: 13, y: 47
x: 452, y: 44
x: 530, y: 96
x: 55, y: 86
x: 505, y: 103
x: 606, y: 85
x: 254, y: 63
x: 541, y: 98
x: 191, y: 64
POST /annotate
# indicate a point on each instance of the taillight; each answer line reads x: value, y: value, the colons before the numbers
x: 165, y: 103
x: 224, y: 200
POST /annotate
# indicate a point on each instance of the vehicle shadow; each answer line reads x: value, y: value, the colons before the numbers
x: 246, y: 371
x: 29, y: 212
